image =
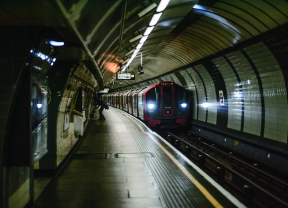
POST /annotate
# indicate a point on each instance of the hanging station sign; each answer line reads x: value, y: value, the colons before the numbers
x: 125, y: 76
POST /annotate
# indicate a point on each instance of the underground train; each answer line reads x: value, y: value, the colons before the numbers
x: 163, y: 105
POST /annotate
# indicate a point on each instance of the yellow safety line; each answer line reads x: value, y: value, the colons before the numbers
x: 192, y: 179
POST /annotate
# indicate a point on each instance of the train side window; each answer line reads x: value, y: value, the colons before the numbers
x: 167, y: 97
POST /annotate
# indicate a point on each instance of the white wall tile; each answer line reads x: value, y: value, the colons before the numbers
x: 201, y: 94
x: 192, y: 88
x: 211, y: 93
x: 234, y: 95
x: 251, y: 92
x: 274, y: 90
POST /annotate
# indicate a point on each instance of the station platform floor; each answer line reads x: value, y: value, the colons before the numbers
x: 120, y: 163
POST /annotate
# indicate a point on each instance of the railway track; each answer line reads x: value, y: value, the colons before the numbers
x: 250, y: 182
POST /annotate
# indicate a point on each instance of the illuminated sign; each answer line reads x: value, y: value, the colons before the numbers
x: 167, y: 83
x: 125, y: 76
x: 105, y: 90
x: 221, y: 96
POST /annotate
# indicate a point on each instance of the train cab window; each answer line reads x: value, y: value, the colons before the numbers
x: 181, y: 96
x: 152, y: 95
x: 167, y: 97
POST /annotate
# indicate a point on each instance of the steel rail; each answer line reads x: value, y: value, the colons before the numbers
x: 251, y: 183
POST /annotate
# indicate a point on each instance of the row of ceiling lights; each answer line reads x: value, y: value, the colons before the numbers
x: 163, y: 4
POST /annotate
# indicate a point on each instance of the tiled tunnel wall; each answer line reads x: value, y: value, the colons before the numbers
x: 61, y: 137
x: 66, y: 139
x: 253, y: 79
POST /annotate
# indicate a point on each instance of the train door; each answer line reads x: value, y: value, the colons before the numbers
x: 140, y: 104
x: 118, y: 100
x: 130, y: 95
x: 134, y: 104
x: 167, y: 102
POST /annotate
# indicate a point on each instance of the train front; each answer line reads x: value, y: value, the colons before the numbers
x: 166, y: 105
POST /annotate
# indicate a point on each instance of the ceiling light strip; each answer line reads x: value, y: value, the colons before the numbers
x: 163, y: 4
x: 161, y: 7
x: 155, y: 19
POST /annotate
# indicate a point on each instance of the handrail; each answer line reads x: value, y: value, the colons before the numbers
x: 254, y: 185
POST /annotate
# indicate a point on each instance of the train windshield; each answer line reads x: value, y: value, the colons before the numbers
x: 167, y: 97
x: 181, y: 95
x: 152, y: 95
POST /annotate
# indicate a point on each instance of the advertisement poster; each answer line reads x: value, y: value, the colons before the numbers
x: 221, y: 96
x: 66, y: 121
x: 70, y: 97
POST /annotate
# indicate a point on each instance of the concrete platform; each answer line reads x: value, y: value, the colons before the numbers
x: 121, y: 163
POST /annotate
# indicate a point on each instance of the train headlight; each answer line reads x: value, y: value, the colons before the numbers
x: 183, y: 105
x: 151, y: 106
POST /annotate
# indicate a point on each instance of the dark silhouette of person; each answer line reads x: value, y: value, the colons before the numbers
x: 101, y: 103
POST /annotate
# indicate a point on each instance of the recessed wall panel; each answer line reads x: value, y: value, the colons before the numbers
x: 201, y: 94
x: 192, y: 89
x: 274, y: 91
x: 251, y: 92
x: 211, y: 93
x: 175, y: 79
x: 233, y: 92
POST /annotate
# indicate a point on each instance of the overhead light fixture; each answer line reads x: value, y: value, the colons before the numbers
x: 133, y: 55
x: 148, y: 30
x: 143, y: 39
x: 139, y: 46
x: 146, y: 10
x: 155, y: 19
x: 56, y: 43
x: 135, y: 38
x: 163, y: 4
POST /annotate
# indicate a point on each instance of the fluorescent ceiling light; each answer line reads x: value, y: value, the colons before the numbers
x: 139, y: 46
x: 135, y: 52
x: 56, y: 43
x: 135, y: 38
x: 155, y: 19
x: 163, y: 4
x: 143, y: 39
x: 146, y: 10
x: 148, y: 30
x: 129, y: 52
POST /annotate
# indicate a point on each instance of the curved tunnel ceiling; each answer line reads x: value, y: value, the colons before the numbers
x: 105, y: 28
x: 109, y: 31
x: 210, y: 27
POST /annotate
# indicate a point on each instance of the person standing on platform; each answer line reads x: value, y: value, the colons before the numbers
x: 102, y: 104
